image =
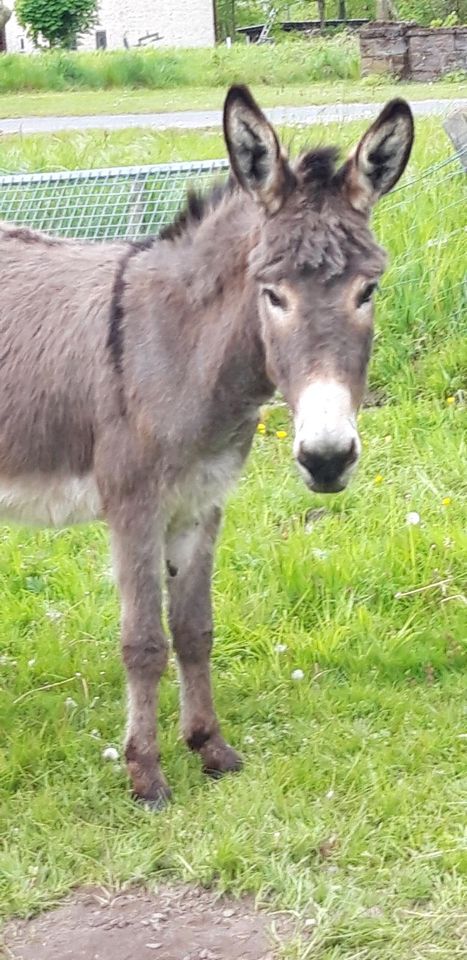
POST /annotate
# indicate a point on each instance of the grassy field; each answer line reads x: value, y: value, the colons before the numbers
x: 289, y: 62
x: 123, y: 100
x: 358, y: 769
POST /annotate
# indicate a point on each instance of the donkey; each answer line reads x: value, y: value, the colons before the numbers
x: 132, y: 374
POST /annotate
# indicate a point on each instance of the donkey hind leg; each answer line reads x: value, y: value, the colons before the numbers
x: 189, y: 554
x: 137, y: 552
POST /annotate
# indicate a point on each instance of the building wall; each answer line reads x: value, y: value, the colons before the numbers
x: 180, y: 23
x: 16, y: 39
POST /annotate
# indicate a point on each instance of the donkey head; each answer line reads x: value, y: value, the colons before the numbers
x: 316, y: 266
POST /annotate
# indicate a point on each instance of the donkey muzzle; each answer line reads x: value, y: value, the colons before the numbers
x: 327, y: 472
x: 327, y: 445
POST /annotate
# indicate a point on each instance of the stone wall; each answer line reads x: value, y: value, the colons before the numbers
x: 384, y: 49
x: 410, y: 52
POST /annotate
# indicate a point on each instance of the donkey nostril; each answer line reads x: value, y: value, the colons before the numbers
x: 327, y: 469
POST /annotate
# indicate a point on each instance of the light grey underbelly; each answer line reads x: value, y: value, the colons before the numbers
x: 61, y: 501
x: 49, y: 501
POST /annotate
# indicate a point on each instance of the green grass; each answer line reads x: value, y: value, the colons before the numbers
x: 369, y: 748
x: 290, y: 62
x: 351, y: 807
x: 96, y: 148
x: 124, y: 100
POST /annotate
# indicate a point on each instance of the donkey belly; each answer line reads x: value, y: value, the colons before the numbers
x: 50, y: 501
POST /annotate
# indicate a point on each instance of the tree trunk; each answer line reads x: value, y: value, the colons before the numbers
x: 322, y: 13
x: 386, y: 11
x: 5, y: 15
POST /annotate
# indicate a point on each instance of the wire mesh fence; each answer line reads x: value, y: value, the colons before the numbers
x: 131, y: 202
x: 421, y: 223
x: 126, y: 202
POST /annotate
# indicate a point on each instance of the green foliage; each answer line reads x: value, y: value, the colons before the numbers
x: 58, y: 22
x: 433, y: 12
x: 289, y: 63
x: 246, y: 12
x: 451, y: 20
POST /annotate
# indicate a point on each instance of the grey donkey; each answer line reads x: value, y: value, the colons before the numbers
x: 132, y: 374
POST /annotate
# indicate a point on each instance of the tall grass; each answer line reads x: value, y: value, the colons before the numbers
x: 291, y: 62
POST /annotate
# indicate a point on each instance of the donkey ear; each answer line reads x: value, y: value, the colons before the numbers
x: 381, y: 156
x: 254, y: 150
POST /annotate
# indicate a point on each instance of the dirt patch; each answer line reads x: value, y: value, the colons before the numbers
x: 174, y: 923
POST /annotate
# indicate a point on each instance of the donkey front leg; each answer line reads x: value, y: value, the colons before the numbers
x: 189, y: 554
x: 137, y: 549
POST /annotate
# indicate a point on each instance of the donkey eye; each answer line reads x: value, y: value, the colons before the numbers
x: 274, y: 298
x: 366, y: 294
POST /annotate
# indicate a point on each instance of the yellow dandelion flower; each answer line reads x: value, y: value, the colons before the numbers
x: 378, y: 479
x: 446, y: 501
x: 450, y: 400
x: 281, y: 434
x: 261, y: 428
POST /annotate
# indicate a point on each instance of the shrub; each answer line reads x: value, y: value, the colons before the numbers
x: 293, y: 61
x: 58, y: 22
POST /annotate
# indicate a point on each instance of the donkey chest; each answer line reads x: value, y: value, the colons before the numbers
x: 49, y: 501
x: 204, y: 485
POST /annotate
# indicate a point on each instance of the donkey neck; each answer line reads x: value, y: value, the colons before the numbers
x: 224, y: 302
x: 211, y: 321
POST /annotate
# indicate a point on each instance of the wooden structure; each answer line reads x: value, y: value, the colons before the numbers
x: 259, y: 32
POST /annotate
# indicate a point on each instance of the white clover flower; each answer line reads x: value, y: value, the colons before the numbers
x: 297, y: 675
x: 412, y: 518
x: 111, y: 754
x: 53, y: 614
x: 280, y: 647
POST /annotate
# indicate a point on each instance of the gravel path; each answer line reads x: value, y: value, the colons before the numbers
x: 199, y: 119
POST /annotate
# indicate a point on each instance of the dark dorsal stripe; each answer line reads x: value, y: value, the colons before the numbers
x: 116, y: 314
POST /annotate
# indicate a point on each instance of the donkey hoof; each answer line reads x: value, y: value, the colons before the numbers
x: 157, y: 802
x: 219, y: 758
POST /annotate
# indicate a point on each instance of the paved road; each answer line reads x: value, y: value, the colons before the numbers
x: 197, y: 119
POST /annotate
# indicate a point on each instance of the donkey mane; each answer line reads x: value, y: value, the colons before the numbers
x: 317, y: 166
x: 199, y: 205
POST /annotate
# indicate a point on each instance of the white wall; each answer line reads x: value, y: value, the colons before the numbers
x: 180, y: 23
x: 14, y: 34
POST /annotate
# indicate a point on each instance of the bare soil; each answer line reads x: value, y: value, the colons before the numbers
x: 174, y: 923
